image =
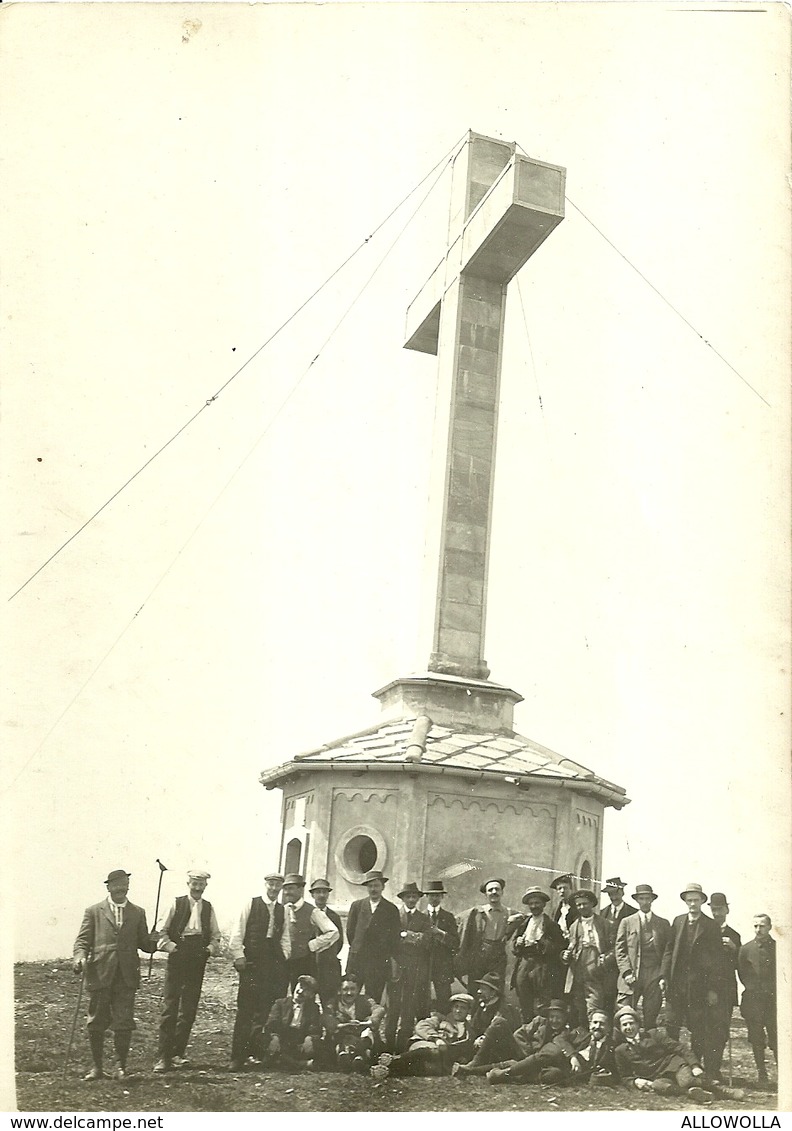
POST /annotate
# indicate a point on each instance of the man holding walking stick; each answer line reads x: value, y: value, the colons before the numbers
x: 106, y: 953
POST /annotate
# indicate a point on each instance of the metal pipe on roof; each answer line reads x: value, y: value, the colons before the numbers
x: 416, y: 744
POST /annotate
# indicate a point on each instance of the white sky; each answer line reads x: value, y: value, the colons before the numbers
x: 171, y: 194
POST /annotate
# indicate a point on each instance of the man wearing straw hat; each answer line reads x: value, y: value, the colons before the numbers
x: 640, y: 945
x: 589, y: 956
x: 538, y: 944
x: 690, y: 967
x: 190, y: 935
x: 106, y: 954
x: 443, y: 939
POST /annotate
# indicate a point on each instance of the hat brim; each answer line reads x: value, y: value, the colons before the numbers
x: 371, y: 880
x: 637, y: 894
x: 692, y: 891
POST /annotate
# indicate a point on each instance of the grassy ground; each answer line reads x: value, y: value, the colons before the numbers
x: 46, y: 996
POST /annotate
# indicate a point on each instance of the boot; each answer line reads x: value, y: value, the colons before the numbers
x: 761, y: 1071
x: 97, y: 1055
x: 122, y: 1043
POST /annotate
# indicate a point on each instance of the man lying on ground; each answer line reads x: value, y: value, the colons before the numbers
x: 563, y: 1056
x: 436, y: 1044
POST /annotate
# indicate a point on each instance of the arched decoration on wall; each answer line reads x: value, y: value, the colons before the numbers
x: 359, y: 850
x: 586, y: 875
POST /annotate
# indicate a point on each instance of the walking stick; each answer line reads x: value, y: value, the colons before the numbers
x: 74, y: 1023
x: 731, y: 1066
x: 162, y: 869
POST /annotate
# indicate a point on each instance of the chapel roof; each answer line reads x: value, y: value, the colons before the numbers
x: 458, y: 750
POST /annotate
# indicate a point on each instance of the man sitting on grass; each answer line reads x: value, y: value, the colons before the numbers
x: 353, y: 1027
x: 294, y: 1027
x: 562, y: 1056
x: 657, y: 1063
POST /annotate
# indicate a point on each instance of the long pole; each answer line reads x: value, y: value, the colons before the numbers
x: 74, y: 1023
x: 731, y: 1066
x: 162, y: 869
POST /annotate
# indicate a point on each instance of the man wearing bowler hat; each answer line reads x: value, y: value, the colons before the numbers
x: 190, y: 935
x: 258, y: 959
x: 538, y: 944
x: 641, y: 940
x: 589, y: 956
x: 106, y: 954
x: 616, y: 909
x: 443, y: 940
x: 724, y: 984
x: 328, y: 968
x: 373, y: 930
x: 307, y: 931
x: 565, y: 913
x: 408, y: 993
x: 690, y: 967
x: 482, y: 946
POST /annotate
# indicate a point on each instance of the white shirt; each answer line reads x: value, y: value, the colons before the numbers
x: 236, y: 943
x: 587, y: 931
x: 534, y: 930
x: 118, y: 910
x: 193, y: 927
x: 374, y: 905
x: 645, y: 917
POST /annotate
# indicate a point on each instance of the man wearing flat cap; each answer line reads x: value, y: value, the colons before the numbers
x: 408, y: 993
x: 616, y: 908
x: 565, y: 913
x: 641, y: 940
x: 106, y: 954
x: 538, y: 943
x: 190, y: 935
x: 443, y: 940
x: 258, y: 959
x: 589, y: 955
x: 484, y: 932
x: 328, y: 968
x: 373, y: 930
x: 491, y: 1028
x: 691, y: 962
x: 436, y: 1044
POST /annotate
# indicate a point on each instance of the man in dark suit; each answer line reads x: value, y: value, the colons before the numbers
x: 692, y: 959
x: 443, y: 940
x: 654, y: 1062
x: 106, y: 954
x: 491, y: 1029
x: 373, y: 929
x: 756, y: 965
x: 616, y: 909
x: 641, y: 940
x: 189, y: 936
x: 565, y: 1056
x: 724, y: 984
x: 592, y: 969
x: 565, y: 913
x: 294, y: 1027
x: 408, y: 993
x: 328, y: 968
x: 538, y: 944
x: 258, y: 958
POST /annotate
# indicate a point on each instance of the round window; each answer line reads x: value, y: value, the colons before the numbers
x: 358, y: 851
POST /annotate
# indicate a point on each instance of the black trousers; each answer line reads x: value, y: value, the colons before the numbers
x: 297, y: 966
x: 373, y: 973
x: 180, y: 997
x: 259, y: 987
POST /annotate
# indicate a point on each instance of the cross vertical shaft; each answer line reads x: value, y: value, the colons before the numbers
x: 503, y: 207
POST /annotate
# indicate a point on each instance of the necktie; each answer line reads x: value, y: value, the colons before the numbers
x: 119, y: 915
x: 287, y: 931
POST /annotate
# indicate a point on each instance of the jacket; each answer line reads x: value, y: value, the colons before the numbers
x: 108, y: 949
x: 610, y: 915
x: 604, y: 936
x: 628, y: 946
x: 706, y: 955
x: 373, y: 937
x: 652, y: 1055
x: 756, y: 965
x: 279, y: 1022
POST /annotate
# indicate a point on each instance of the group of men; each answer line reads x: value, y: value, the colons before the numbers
x: 590, y: 983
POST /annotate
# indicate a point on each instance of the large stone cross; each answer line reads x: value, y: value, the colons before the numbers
x: 503, y: 206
